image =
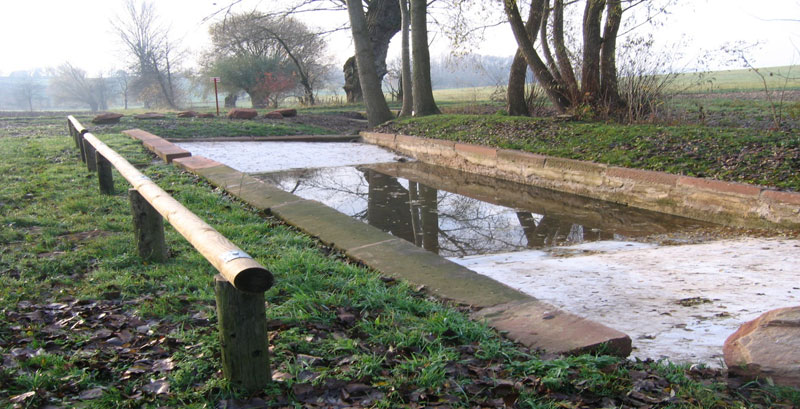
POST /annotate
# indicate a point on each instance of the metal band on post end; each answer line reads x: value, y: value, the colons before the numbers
x: 233, y: 255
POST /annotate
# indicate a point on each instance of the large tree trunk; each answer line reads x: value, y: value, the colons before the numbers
x: 406, y: 86
x: 424, y: 103
x: 517, y: 105
x: 352, y: 86
x: 377, y: 109
x: 590, y: 74
x: 383, y: 22
x: 609, y: 87
x: 552, y: 88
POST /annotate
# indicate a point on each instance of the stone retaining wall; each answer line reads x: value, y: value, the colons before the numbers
x: 728, y: 203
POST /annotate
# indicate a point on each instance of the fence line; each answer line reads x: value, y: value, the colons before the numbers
x: 241, y: 282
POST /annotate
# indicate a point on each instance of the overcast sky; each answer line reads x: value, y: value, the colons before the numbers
x: 47, y: 33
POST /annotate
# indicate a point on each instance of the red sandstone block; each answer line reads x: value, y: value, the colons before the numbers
x: 379, y: 138
x: 194, y: 163
x: 720, y: 186
x: 646, y: 176
x: 140, y: 134
x: 572, y: 164
x: 478, y: 150
x: 523, y: 158
x: 407, y: 139
x: 781, y: 197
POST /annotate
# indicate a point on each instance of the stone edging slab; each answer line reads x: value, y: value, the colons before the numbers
x: 728, y: 203
x: 523, y: 318
x: 163, y: 149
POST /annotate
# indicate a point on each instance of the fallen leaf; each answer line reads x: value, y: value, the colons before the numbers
x: 163, y: 365
x: 22, y: 397
x: 93, y: 393
x: 157, y: 387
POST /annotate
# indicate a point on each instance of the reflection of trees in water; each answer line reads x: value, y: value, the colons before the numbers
x: 439, y: 221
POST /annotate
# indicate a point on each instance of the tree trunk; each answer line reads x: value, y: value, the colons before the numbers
x: 383, y: 22
x: 352, y: 86
x: 517, y: 105
x: 406, y: 86
x: 230, y: 100
x: 424, y: 103
x: 548, y: 54
x: 259, y: 99
x: 552, y: 88
x: 609, y: 87
x: 590, y: 74
x: 377, y: 110
x: 566, y: 72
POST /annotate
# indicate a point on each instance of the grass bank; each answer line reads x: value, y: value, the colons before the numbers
x: 85, y: 323
x: 734, y: 154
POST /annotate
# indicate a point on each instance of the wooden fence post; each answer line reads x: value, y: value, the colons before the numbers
x: 148, y: 227
x: 104, y: 174
x: 243, y: 338
x: 82, y: 146
x: 89, y: 151
x: 73, y: 133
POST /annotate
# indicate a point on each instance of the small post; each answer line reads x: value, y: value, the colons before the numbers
x: 104, y: 174
x: 81, y: 146
x: 243, y: 338
x: 148, y: 227
x: 89, y: 151
x: 73, y: 133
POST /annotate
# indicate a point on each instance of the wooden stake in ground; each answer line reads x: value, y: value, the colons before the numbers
x: 148, y: 227
x: 104, y: 174
x: 243, y: 338
x: 89, y: 151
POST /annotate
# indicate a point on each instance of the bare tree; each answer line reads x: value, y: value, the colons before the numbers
x: 377, y: 109
x: 71, y: 84
x: 123, y: 80
x: 154, y: 56
x: 592, y: 80
x: 28, y: 90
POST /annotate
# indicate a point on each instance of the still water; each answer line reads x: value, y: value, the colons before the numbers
x: 453, y: 213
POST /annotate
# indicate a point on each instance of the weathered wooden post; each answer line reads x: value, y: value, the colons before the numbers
x: 148, y: 227
x: 89, y: 151
x: 104, y: 175
x: 73, y: 133
x: 242, y: 321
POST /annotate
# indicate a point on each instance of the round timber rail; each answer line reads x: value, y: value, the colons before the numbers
x: 235, y: 265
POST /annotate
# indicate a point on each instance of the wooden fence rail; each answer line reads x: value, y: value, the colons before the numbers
x: 241, y: 279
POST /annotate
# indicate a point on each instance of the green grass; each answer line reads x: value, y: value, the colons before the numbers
x: 777, y: 78
x: 174, y: 127
x: 741, y: 155
x: 84, y: 322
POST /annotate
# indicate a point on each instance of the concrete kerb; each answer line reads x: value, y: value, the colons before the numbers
x: 506, y: 309
x: 735, y: 204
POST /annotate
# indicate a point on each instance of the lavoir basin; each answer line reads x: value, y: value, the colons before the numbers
x: 678, y: 287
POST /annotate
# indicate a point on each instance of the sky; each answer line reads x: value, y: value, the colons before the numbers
x: 48, y: 33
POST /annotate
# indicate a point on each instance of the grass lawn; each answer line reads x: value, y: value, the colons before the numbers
x: 764, y: 158
x: 84, y: 322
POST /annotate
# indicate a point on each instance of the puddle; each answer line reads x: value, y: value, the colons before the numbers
x: 253, y: 157
x: 453, y: 213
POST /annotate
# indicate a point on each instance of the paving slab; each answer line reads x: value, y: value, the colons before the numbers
x: 330, y: 226
x: 441, y: 277
x: 537, y: 324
